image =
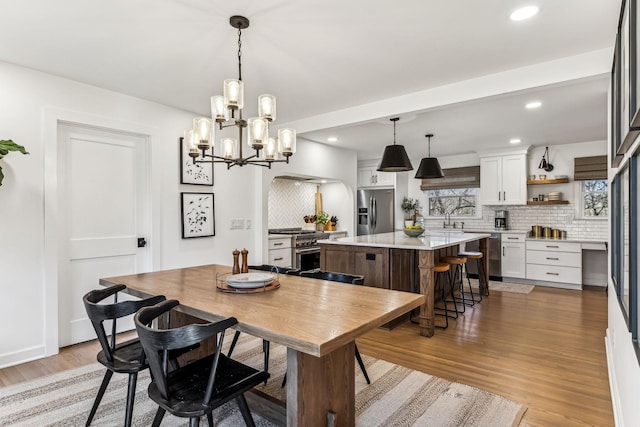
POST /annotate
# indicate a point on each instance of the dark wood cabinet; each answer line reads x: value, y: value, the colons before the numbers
x: 385, y: 268
x: 373, y: 264
x: 337, y: 258
x: 403, y: 271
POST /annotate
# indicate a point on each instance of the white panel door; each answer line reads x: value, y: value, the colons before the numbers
x: 103, y: 211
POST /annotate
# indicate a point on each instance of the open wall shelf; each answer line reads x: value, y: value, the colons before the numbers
x: 547, y: 181
x: 548, y: 202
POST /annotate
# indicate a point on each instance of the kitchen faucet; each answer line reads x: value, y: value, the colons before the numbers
x: 447, y: 221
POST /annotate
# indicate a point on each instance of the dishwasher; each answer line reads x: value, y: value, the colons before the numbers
x: 495, y: 257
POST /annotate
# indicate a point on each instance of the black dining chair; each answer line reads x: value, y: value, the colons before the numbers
x: 125, y: 357
x: 196, y: 389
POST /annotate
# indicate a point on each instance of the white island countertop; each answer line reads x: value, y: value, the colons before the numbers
x: 429, y: 241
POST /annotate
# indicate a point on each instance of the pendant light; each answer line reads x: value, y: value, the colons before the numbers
x: 394, y: 158
x: 429, y: 166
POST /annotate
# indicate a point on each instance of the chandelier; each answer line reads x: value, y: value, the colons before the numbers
x: 226, y: 110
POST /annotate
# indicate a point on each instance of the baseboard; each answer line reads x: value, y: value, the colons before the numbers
x: 22, y: 356
x: 543, y: 283
x: 615, y: 398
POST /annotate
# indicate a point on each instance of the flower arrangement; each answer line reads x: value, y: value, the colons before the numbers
x: 410, y: 206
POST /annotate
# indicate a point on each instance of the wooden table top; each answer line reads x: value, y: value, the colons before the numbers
x: 308, y: 315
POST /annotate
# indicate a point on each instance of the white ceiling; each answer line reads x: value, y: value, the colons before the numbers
x: 357, y: 56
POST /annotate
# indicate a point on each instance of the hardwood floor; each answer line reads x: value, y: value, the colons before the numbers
x: 545, y: 350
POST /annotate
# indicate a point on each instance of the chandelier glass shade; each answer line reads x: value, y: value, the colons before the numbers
x: 227, y: 111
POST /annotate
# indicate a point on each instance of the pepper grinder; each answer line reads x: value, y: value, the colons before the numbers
x: 245, y: 265
x: 236, y: 266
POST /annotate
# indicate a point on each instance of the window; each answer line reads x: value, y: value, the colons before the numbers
x: 594, y: 200
x: 459, y: 202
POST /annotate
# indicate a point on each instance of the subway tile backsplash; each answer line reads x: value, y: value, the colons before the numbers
x: 521, y: 218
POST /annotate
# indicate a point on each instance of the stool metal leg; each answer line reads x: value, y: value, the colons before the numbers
x: 439, y: 280
x: 462, y: 298
x: 473, y: 294
x: 444, y: 280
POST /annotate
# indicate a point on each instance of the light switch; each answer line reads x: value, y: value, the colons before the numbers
x: 237, y: 224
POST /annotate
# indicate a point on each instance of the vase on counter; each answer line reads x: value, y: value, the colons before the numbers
x: 408, y: 222
x: 319, y: 227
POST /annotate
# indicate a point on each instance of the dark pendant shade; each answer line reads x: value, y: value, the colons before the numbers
x: 429, y: 168
x: 395, y: 159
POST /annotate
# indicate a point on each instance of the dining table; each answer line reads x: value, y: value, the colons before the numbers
x: 316, y: 320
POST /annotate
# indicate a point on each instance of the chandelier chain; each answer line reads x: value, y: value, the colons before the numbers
x: 239, y: 53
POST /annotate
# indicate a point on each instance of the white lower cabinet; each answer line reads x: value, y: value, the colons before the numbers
x: 280, y: 252
x: 280, y: 257
x: 513, y: 255
x: 559, y: 262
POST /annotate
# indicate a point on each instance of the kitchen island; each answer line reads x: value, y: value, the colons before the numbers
x: 388, y: 259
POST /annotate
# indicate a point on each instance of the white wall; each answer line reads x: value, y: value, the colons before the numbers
x: 624, y: 372
x: 27, y: 97
x: 334, y: 201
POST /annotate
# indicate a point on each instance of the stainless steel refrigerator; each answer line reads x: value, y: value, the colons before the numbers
x: 375, y: 211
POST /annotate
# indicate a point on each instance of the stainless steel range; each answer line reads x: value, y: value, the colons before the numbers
x: 305, y: 249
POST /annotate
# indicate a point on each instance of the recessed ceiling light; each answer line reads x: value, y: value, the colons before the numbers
x: 524, y: 13
x: 514, y: 141
x: 332, y: 139
x: 533, y: 104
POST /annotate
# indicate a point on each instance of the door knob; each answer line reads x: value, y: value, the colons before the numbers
x: 142, y: 242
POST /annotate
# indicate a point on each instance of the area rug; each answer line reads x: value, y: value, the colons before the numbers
x: 397, y: 396
x: 516, y: 288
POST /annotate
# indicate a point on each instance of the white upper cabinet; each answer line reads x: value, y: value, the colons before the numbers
x: 370, y: 177
x: 503, y: 180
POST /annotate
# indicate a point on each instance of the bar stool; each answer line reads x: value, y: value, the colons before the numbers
x: 459, y: 263
x: 441, y: 271
x: 482, y: 277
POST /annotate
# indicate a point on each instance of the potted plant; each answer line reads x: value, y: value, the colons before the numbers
x: 5, y: 147
x: 321, y: 220
x: 410, y: 207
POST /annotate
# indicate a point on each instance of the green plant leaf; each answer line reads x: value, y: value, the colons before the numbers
x: 7, y: 145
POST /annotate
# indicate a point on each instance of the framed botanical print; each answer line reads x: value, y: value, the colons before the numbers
x: 198, y: 215
x: 194, y: 173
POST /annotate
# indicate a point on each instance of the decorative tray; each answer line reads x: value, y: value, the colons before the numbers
x: 247, y: 283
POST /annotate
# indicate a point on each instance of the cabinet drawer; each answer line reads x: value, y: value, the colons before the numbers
x: 566, y: 259
x: 280, y: 257
x: 513, y: 237
x: 553, y: 273
x: 550, y: 245
x: 285, y: 242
